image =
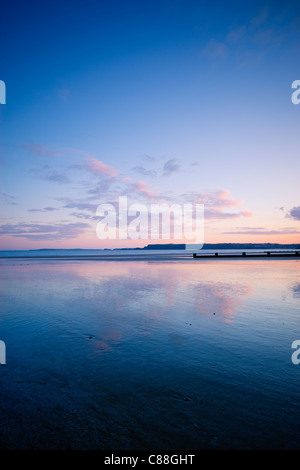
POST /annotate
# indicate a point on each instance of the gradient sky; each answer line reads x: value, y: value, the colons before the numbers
x: 174, y: 101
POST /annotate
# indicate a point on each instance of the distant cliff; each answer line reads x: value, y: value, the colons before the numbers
x: 224, y: 246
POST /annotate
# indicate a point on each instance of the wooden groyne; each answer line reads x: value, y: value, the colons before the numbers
x: 245, y: 254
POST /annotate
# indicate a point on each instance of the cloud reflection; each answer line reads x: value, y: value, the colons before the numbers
x: 155, y: 289
x: 296, y: 290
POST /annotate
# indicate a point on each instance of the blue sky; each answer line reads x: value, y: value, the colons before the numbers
x: 176, y: 101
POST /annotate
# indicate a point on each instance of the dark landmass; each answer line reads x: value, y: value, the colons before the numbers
x: 165, y: 246
x: 224, y: 246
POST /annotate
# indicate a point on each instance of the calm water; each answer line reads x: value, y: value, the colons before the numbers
x: 150, y: 355
x: 115, y: 253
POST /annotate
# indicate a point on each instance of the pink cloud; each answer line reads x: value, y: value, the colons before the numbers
x: 143, y: 188
x: 100, y: 168
x: 264, y: 231
x: 223, y: 196
x: 216, y: 203
x: 218, y: 214
x: 246, y: 214
x: 219, y: 199
x: 125, y: 179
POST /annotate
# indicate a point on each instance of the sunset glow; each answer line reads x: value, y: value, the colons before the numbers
x: 175, y: 102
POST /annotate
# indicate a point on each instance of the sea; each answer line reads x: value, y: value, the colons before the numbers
x: 119, y: 253
x: 149, y: 352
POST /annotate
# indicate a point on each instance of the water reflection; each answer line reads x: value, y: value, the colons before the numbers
x: 99, y: 352
x: 154, y: 288
x: 221, y: 299
x: 165, y: 286
x: 296, y: 290
x: 107, y: 342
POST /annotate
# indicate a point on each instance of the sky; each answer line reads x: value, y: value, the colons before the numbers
x: 176, y: 102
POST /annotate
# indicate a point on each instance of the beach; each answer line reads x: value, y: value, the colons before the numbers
x: 149, y: 353
x: 150, y: 228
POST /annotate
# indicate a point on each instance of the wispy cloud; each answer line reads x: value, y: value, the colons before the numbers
x: 80, y: 205
x: 38, y: 149
x: 171, y: 166
x: 261, y: 16
x: 152, y: 167
x: 108, y: 183
x: 219, y: 214
x: 63, y: 93
x: 99, y: 168
x: 144, y: 171
x: 142, y: 188
x: 263, y: 231
x: 47, y: 173
x: 44, y: 231
x: 45, y: 209
x: 218, y: 199
x: 101, y: 188
x: 56, y: 177
x: 216, y: 50
x: 236, y: 34
x: 212, y: 199
x: 83, y: 215
x: 268, y: 30
x: 216, y: 204
x: 11, y: 200
x: 148, y: 158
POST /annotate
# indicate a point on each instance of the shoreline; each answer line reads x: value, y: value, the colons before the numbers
x: 156, y: 257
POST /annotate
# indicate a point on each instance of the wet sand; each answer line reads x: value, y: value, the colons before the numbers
x: 149, y: 354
